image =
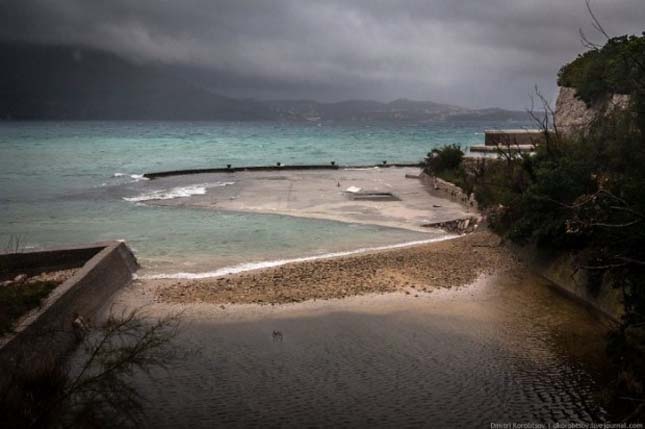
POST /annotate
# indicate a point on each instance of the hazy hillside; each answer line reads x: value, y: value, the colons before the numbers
x: 63, y: 82
x: 40, y: 82
x: 398, y: 110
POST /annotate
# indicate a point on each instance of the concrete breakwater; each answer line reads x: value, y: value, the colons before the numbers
x: 48, y: 331
x: 231, y: 169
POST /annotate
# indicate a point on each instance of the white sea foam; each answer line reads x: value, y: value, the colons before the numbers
x: 178, y: 192
x: 250, y: 266
x: 135, y: 177
x: 138, y: 177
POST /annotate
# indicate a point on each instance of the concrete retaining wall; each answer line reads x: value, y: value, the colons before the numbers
x: 561, y: 271
x: 105, y: 268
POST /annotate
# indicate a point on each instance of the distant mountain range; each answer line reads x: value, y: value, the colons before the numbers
x: 397, y: 110
x: 67, y: 82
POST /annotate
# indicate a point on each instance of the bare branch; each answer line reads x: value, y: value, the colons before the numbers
x: 596, y: 22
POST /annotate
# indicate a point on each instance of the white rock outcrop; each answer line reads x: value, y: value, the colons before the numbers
x: 572, y: 114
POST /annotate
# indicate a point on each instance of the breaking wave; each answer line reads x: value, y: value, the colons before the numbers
x: 178, y: 192
x: 135, y: 177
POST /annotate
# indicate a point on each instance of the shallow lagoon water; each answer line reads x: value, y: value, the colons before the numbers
x: 503, y: 350
x: 65, y: 182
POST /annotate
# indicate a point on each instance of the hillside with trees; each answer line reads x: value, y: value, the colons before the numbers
x: 583, y: 193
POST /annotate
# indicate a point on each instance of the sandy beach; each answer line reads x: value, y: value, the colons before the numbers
x: 414, y: 270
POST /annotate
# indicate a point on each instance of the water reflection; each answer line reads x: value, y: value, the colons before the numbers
x: 510, y: 349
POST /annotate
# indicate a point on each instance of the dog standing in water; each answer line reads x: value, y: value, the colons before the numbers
x: 277, y: 336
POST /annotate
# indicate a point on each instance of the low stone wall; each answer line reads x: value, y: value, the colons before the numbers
x: 48, y: 331
x: 449, y: 190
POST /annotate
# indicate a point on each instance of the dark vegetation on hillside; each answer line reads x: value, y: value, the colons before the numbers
x: 586, y: 193
x: 615, y: 68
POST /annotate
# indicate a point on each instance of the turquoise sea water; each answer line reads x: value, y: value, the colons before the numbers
x: 63, y: 183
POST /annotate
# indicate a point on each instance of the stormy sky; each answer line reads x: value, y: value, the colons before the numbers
x: 475, y: 53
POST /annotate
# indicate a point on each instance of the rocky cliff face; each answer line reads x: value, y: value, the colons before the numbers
x: 573, y: 115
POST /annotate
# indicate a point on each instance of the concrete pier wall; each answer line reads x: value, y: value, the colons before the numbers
x: 40, y: 261
x: 513, y: 137
x: 47, y: 331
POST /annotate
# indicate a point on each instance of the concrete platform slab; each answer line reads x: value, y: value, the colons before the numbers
x: 319, y: 194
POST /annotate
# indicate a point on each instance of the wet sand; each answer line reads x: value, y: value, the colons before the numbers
x: 414, y: 270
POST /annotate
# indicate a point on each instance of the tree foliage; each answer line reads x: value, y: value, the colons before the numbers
x: 615, y: 68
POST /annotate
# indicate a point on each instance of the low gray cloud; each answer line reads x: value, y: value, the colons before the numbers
x: 474, y: 53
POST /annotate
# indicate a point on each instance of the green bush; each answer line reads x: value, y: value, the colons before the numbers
x: 448, y: 157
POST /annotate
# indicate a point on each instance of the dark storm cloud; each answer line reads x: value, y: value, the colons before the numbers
x: 474, y: 53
